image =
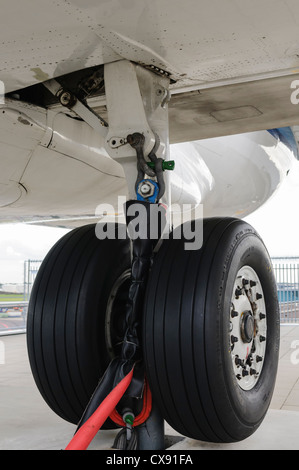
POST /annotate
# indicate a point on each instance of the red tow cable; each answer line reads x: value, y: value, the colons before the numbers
x: 89, y: 429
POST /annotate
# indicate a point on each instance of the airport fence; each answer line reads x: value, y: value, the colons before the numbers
x: 286, y: 271
x: 14, y: 305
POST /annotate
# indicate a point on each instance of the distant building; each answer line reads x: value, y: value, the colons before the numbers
x: 12, y: 288
x: 288, y: 292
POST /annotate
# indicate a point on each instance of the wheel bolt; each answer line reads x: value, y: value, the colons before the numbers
x: 234, y: 339
x: 258, y: 359
x: 234, y: 314
x: 259, y: 296
x: 245, y: 372
x: 249, y: 361
x: 245, y: 282
x: 239, y: 376
x: 252, y: 371
x: 252, y: 283
x: 262, y: 338
x: 239, y: 362
x: 262, y: 316
x: 238, y: 292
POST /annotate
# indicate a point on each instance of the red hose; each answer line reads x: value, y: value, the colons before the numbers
x: 88, y: 430
x: 145, y: 412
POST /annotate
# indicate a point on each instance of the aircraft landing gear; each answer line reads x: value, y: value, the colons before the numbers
x: 203, y: 324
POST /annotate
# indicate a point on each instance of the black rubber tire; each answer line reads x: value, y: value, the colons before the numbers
x: 66, y: 318
x: 186, y: 335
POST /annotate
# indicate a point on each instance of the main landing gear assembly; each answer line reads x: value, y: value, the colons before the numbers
x: 128, y: 331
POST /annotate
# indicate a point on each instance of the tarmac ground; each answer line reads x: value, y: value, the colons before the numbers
x: 27, y: 423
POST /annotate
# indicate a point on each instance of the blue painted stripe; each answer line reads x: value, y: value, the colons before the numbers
x: 286, y: 136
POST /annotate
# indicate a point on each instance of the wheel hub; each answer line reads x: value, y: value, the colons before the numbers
x: 248, y: 328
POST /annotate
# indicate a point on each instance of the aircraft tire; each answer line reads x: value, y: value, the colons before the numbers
x: 188, y: 328
x: 66, y: 326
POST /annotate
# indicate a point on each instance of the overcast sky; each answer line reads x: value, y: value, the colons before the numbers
x: 19, y: 242
x: 277, y: 222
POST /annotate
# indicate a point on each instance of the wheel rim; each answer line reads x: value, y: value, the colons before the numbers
x: 248, y: 328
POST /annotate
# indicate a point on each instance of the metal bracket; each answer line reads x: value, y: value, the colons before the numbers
x: 136, y: 101
x: 82, y: 109
x: 126, y: 112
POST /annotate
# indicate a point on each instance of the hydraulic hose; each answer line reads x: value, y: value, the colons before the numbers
x: 89, y: 429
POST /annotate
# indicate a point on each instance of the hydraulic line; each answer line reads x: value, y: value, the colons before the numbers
x: 89, y: 429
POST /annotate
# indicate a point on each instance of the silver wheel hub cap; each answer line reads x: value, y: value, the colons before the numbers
x: 248, y: 328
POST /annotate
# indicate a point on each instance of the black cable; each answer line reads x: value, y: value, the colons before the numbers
x: 122, y: 443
